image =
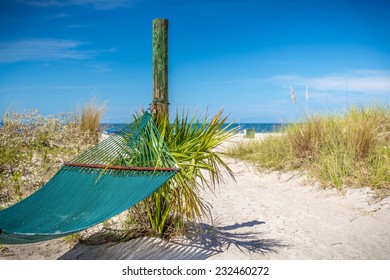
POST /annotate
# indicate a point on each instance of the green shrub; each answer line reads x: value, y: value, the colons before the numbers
x: 192, y: 142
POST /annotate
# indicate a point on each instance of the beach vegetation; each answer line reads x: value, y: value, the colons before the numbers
x: 73, y: 239
x: 33, y: 148
x: 90, y: 117
x: 193, y: 141
x: 338, y: 150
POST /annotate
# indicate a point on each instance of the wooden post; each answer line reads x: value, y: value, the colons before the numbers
x: 160, y: 68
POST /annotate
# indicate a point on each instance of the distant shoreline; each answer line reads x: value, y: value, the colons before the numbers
x: 258, y: 127
x: 109, y: 128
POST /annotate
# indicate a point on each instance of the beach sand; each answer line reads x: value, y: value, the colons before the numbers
x: 258, y: 216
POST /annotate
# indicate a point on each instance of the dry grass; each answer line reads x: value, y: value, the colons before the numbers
x: 337, y: 150
x: 91, y: 115
x: 33, y: 148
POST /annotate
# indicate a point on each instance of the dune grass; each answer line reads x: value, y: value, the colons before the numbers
x: 90, y: 116
x: 337, y: 150
x: 33, y: 147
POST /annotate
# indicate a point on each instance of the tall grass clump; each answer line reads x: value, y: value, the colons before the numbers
x: 90, y: 117
x: 352, y: 149
x: 192, y: 140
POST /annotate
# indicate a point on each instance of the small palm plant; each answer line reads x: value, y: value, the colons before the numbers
x: 192, y: 141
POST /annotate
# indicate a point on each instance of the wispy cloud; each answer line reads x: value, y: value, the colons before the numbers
x: 13, y: 89
x: 364, y: 81
x: 58, y: 16
x: 79, y: 25
x: 96, y: 4
x: 45, y: 50
x: 102, y: 68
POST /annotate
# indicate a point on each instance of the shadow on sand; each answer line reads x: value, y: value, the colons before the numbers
x: 220, y: 239
x: 202, y: 242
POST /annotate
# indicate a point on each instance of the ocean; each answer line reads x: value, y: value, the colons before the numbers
x: 240, y: 127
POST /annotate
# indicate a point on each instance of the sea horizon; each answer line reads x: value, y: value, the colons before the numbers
x: 240, y: 127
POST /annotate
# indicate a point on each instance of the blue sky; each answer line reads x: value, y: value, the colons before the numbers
x: 242, y: 56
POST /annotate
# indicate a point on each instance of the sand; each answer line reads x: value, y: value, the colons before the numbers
x: 258, y: 216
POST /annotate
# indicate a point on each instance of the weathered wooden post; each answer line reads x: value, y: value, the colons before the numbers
x: 160, y: 68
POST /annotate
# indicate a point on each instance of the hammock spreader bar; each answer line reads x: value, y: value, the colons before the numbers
x: 126, y: 168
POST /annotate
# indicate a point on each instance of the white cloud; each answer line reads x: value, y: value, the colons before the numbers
x: 40, y: 49
x: 364, y: 81
x: 97, y: 4
x: 44, y: 50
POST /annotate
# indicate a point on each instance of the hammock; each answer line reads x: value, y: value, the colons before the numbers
x: 100, y: 183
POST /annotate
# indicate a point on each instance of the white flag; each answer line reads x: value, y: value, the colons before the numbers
x: 292, y: 94
x: 307, y: 93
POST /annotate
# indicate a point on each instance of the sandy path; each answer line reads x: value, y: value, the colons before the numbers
x: 283, y: 218
x: 258, y: 216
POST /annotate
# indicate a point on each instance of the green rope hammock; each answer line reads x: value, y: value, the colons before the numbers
x: 100, y: 183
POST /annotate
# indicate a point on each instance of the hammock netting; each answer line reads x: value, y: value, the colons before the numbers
x: 100, y: 183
